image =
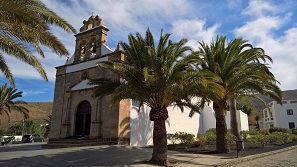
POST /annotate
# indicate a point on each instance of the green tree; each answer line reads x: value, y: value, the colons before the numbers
x: 27, y: 126
x: 244, y: 108
x: 234, y: 67
x: 24, y: 24
x: 7, y: 103
x: 154, y: 75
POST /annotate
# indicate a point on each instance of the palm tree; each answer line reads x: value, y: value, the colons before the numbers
x: 7, y: 103
x: 238, y: 71
x: 24, y: 24
x: 154, y: 75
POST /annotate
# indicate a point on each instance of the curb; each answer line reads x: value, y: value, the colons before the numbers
x: 256, y: 156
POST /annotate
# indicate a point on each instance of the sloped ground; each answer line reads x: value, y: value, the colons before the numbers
x: 38, y: 112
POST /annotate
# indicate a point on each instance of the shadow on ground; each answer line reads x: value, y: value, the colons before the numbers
x: 85, y: 156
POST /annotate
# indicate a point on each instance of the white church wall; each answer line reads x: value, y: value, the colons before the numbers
x: 181, y: 122
x: 242, y: 120
x: 142, y: 128
x: 207, y: 119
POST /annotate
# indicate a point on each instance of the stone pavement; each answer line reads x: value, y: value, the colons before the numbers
x: 32, y: 155
x: 286, y: 157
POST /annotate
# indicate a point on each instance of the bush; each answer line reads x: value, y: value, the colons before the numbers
x: 294, y: 131
x: 173, y: 138
x: 197, y: 143
x: 258, y: 132
x: 244, y: 134
x: 207, y: 137
x: 231, y: 138
x: 277, y: 129
x: 211, y: 130
x: 281, y: 138
x: 263, y: 139
x: 181, y: 137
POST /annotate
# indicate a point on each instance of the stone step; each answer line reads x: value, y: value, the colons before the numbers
x: 64, y: 143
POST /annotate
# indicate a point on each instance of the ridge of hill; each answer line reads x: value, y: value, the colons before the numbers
x: 288, y: 95
x: 38, y: 111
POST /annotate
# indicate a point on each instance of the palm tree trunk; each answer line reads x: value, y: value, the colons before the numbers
x: 159, y: 155
x: 222, y: 145
x: 159, y: 115
x: 233, y: 122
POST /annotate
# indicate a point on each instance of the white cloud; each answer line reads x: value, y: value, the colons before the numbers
x: 259, y: 29
x: 261, y: 32
x: 33, y: 92
x: 260, y: 8
x: 234, y: 4
x: 194, y: 30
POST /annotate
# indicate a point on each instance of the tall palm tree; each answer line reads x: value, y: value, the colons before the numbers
x: 24, y: 24
x: 239, y: 71
x: 8, y: 103
x: 255, y: 82
x: 155, y: 76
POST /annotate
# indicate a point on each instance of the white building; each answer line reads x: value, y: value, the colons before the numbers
x: 284, y: 116
x: 142, y: 129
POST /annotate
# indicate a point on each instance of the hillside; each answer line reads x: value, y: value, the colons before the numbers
x: 38, y: 112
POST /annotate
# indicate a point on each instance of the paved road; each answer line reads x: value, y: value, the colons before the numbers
x: 33, y: 155
x: 283, y: 159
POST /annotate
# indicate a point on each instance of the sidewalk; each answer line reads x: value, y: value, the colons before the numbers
x: 32, y: 155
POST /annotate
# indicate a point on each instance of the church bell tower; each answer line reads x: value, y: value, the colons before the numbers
x: 90, y: 39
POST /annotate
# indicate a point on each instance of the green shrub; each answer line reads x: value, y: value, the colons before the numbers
x: 181, y: 137
x: 186, y: 138
x: 277, y: 129
x: 281, y: 138
x: 244, y: 134
x: 173, y: 138
x: 294, y: 137
x: 231, y: 138
x: 211, y: 130
x: 258, y: 132
x: 207, y: 137
x: 294, y: 131
x: 263, y: 139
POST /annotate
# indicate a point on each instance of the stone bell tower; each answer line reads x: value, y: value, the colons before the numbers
x: 88, y: 42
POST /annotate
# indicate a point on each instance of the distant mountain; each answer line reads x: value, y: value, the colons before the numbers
x: 37, y: 111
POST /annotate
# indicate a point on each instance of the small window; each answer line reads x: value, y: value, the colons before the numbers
x: 291, y: 125
x: 289, y: 111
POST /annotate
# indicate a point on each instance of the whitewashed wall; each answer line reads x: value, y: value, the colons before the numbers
x: 279, y: 114
x: 142, y: 127
x: 242, y: 120
x: 207, y: 119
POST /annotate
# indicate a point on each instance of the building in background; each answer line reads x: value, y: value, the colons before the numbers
x: 283, y: 116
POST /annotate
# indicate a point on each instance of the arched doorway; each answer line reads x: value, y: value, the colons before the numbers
x: 83, y: 119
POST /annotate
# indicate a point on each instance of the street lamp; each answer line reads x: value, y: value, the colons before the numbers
x: 239, y: 146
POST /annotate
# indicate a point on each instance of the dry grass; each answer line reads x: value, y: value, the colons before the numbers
x: 37, y: 111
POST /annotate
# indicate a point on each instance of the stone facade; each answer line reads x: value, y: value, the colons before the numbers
x: 75, y: 111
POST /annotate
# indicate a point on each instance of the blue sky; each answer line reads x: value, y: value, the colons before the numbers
x: 270, y: 24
